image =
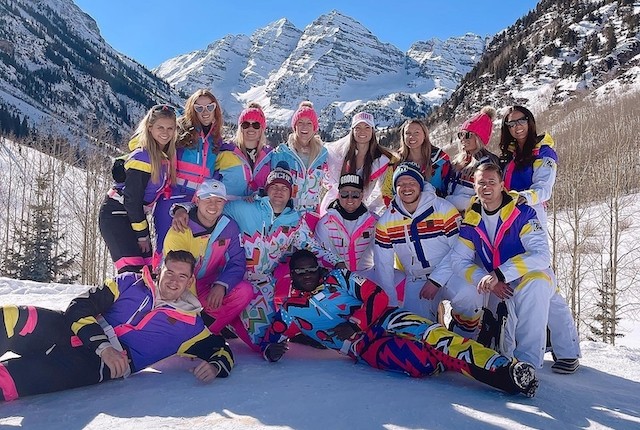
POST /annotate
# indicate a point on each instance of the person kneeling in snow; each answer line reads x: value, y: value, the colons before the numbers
x: 109, y: 332
x: 350, y: 314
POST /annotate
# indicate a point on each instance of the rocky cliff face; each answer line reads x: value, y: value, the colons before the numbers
x: 560, y: 52
x: 57, y: 70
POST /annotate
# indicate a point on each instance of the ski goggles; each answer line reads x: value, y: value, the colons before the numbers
x: 200, y: 108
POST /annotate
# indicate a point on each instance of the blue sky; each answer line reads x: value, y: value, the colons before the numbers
x: 153, y: 31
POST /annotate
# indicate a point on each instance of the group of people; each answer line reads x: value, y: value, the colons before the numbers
x: 350, y: 245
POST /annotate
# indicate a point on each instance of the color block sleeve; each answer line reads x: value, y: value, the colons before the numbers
x: 211, y: 348
x: 545, y: 169
x: 82, y: 312
x: 537, y: 255
x: 134, y: 188
x: 236, y: 261
x: 384, y: 257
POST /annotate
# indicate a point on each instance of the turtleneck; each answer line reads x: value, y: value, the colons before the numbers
x: 362, y: 209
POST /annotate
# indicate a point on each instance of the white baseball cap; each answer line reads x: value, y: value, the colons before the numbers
x: 211, y: 188
x: 365, y: 117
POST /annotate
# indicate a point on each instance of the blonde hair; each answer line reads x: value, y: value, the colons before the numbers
x: 315, y: 142
x: 240, y: 138
x: 425, y: 148
x: 189, y: 120
x: 466, y: 162
x: 147, y: 142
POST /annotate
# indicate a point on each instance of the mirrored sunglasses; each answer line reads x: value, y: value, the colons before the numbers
x: 246, y: 124
x: 350, y: 194
x: 304, y: 271
x: 200, y: 108
x: 519, y: 121
x: 464, y: 135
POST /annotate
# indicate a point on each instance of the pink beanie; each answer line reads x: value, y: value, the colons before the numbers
x: 253, y: 114
x: 305, y: 110
x: 481, y: 124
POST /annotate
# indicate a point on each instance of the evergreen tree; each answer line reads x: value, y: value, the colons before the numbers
x: 37, y: 259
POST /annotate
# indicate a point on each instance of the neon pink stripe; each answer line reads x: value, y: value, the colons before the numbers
x: 380, y: 171
x: 177, y: 315
x: 75, y: 341
x: 353, y: 257
x: 508, y: 174
x: 148, y: 281
x: 507, y: 224
x: 400, y: 290
x: 131, y: 261
x: 191, y: 177
x: 32, y: 320
x: 184, y: 167
x: 7, y: 385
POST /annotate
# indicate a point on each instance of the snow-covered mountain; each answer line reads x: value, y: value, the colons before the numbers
x: 56, y: 68
x: 335, y: 62
x: 560, y: 52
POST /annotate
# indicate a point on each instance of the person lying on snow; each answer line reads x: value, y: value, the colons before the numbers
x: 350, y: 314
x: 108, y: 332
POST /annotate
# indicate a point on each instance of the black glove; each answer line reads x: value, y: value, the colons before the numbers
x: 275, y: 351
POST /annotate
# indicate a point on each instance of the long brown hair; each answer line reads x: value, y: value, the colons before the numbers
x: 374, y: 152
x: 189, y: 120
x: 509, y: 147
x: 146, y: 141
x: 425, y: 148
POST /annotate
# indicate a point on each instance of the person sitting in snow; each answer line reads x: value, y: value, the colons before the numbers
x: 350, y: 314
x: 110, y: 331
x: 214, y: 240
x: 503, y: 252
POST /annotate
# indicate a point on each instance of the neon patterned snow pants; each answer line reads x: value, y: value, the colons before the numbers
x: 405, y: 342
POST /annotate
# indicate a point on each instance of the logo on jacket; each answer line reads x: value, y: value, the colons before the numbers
x: 535, y: 225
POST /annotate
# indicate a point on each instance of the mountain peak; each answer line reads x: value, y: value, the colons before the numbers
x: 335, y: 62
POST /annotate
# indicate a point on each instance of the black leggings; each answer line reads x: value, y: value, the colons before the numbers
x: 115, y: 228
x: 48, y: 360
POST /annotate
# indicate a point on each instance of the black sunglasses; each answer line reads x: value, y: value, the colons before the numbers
x: 304, y: 271
x: 352, y: 194
x: 464, y: 135
x: 246, y: 124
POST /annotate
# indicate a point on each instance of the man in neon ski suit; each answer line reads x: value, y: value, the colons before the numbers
x: 348, y: 227
x: 214, y: 240
x: 418, y: 231
x: 350, y: 314
x: 121, y: 327
x: 503, y: 250
x: 271, y: 231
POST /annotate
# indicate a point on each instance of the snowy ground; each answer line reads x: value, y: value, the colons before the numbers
x: 312, y: 389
